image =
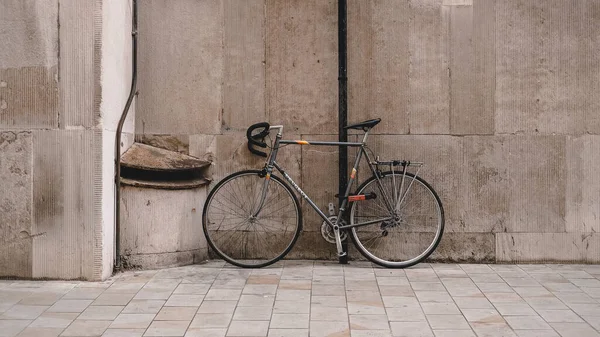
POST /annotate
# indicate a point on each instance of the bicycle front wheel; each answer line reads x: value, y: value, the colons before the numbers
x: 403, y: 231
x: 241, y: 230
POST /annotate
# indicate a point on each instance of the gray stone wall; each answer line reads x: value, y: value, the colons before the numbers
x: 60, y: 91
x: 498, y: 97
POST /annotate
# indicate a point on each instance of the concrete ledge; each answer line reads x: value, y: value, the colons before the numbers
x: 164, y: 260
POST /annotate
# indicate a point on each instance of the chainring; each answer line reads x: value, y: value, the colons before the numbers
x: 327, y: 231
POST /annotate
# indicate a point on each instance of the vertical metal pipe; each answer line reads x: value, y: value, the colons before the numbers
x: 132, y: 93
x: 343, y: 105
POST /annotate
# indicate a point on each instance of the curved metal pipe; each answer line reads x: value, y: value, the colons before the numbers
x: 132, y: 93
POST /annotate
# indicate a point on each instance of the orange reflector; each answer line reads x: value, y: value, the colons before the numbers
x: 302, y: 142
x: 359, y: 197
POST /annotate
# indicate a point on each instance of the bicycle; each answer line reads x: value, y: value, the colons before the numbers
x: 252, y: 218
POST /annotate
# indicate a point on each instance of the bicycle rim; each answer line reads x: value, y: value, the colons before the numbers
x: 241, y: 239
x: 416, y: 228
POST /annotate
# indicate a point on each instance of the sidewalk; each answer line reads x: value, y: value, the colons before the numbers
x: 305, y: 298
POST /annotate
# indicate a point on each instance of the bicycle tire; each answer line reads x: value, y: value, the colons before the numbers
x: 395, y: 258
x: 249, y: 255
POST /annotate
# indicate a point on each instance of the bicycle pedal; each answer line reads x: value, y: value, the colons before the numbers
x: 342, y: 254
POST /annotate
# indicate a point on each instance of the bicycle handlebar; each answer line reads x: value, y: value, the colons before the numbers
x: 257, y: 139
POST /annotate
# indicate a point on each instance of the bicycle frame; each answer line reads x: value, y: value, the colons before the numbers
x: 272, y: 164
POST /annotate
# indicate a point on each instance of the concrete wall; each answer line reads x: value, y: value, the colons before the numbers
x: 64, y: 76
x: 498, y: 97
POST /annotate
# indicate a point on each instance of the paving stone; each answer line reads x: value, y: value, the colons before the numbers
x: 586, y: 309
x: 575, y: 298
x: 54, y: 320
x: 321, y: 313
x: 406, y: 314
x: 453, y: 333
x: 256, y: 301
x: 365, y: 308
x: 448, y: 322
x: 248, y: 328
x: 575, y: 329
x: 184, y: 300
x: 328, y: 290
x: 399, y: 301
x: 536, y: 333
x: 545, y: 303
x: 296, y: 284
x: 482, y: 315
x: 86, y: 328
x: 192, y: 289
x: 288, y: 333
x: 124, y: 333
x: 287, y: 307
x: 263, y: 279
x: 363, y: 296
x: 433, y: 296
x: 433, y: 308
x: 260, y: 289
x: 252, y: 313
x: 132, y: 321
x: 113, y: 299
x: 291, y: 321
x: 472, y: 302
x: 329, y: 328
x: 217, y: 307
x: 73, y: 306
x: 559, y: 316
x: 493, y: 330
x: 428, y: 286
x: 411, y: 329
x: 495, y: 288
x: 167, y: 328
x: 46, y: 299
x: 143, y: 307
x: 511, y: 309
x: 125, y: 287
x: 503, y: 297
x: 19, y: 311
x: 527, y: 323
x: 40, y: 332
x: 370, y: 333
x: 369, y: 322
x: 101, y: 313
x: 329, y: 301
x: 195, y: 332
x: 83, y: 294
x: 207, y: 320
x: 11, y: 327
x: 176, y: 314
x: 223, y: 294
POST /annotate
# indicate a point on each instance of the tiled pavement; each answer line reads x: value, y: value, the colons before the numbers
x: 305, y: 298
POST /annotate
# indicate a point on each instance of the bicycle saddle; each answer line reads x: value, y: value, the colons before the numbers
x: 364, y: 125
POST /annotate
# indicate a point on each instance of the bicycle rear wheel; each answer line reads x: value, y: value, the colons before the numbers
x: 415, y: 225
x: 239, y: 237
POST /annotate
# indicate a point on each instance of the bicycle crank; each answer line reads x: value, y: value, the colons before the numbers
x: 327, y: 231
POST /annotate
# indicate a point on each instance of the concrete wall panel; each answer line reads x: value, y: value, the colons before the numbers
x: 301, y: 72
x: 244, y: 67
x: 545, y: 53
x: 442, y: 156
x: 548, y: 247
x: 472, y: 68
x: 79, y: 60
x: 15, y: 204
x: 67, y: 204
x: 537, y: 184
x: 466, y: 247
x: 485, y: 186
x: 583, y: 185
x: 429, y: 84
x: 28, y: 33
x: 180, y: 67
x: 29, y: 97
x: 378, y: 61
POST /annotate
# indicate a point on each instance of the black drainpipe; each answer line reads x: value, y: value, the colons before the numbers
x: 132, y: 93
x: 343, y: 106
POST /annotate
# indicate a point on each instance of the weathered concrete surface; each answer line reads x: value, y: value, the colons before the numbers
x: 547, y: 57
x: 301, y: 73
x: 378, y: 63
x: 180, y: 67
x: 485, y: 194
x: 548, y: 247
x: 442, y: 156
x: 164, y: 223
x: 29, y: 64
x: 244, y: 63
x: 15, y: 204
x: 80, y: 37
x: 583, y: 185
x: 429, y: 78
x: 67, y: 204
x: 472, y: 50
x: 29, y: 97
x: 537, y: 174
x: 175, y: 143
x: 466, y: 247
x: 29, y: 33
